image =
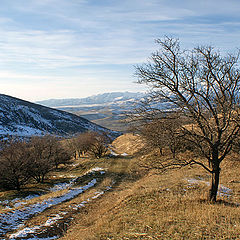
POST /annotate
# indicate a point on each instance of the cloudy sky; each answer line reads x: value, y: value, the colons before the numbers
x: 77, y: 48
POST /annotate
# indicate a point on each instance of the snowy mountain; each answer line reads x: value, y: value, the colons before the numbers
x: 113, y: 98
x: 22, y: 118
x: 107, y: 109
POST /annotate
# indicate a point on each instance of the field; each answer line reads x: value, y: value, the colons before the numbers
x: 128, y: 201
x: 106, y: 117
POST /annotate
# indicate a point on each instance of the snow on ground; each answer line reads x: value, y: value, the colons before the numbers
x: 96, y: 169
x: 222, y: 190
x: 23, y: 233
x: 15, y: 219
x: 113, y: 153
x: 63, y: 185
x: 17, y: 202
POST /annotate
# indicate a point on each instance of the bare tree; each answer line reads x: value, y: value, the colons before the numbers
x: 81, y: 144
x: 70, y: 145
x: 203, y: 87
x: 41, y: 155
x: 46, y: 152
x: 14, y: 162
x: 59, y: 154
x: 162, y: 133
x: 99, y: 144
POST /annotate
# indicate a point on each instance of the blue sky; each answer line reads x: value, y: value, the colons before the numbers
x: 77, y: 48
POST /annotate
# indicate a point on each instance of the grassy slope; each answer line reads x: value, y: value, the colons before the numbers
x: 144, y: 204
x: 153, y: 205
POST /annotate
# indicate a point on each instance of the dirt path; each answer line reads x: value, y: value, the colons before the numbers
x: 47, y: 216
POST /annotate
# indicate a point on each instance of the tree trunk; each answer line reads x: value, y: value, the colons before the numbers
x: 215, y: 182
x: 18, y: 187
x: 161, y: 151
x: 42, y: 180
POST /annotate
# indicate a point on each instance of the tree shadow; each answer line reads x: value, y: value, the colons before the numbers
x: 221, y: 202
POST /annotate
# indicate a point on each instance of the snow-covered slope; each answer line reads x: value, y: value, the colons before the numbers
x: 22, y: 118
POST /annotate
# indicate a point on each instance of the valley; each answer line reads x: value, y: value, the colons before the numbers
x: 119, y: 120
x: 108, y: 110
x: 119, y: 197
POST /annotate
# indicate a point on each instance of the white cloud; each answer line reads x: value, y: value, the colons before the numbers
x: 90, y: 44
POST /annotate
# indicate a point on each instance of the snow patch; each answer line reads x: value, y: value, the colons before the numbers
x: 63, y: 185
x: 14, y: 219
x: 222, y: 190
x: 96, y: 169
x: 54, y: 219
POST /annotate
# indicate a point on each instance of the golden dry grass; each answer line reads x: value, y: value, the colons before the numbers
x: 164, y: 205
x: 128, y: 143
x: 149, y: 204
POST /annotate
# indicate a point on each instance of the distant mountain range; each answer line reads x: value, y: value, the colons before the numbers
x: 22, y: 118
x: 107, y: 109
x: 113, y: 98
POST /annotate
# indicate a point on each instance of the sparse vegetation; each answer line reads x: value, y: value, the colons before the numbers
x: 89, y: 143
x: 159, y: 205
x: 21, y: 161
x: 144, y: 203
x: 202, y: 87
x: 128, y: 194
x: 99, y: 145
x: 162, y: 133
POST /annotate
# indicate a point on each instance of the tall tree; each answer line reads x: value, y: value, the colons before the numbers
x: 203, y: 87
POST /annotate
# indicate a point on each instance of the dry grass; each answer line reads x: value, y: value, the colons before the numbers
x: 157, y: 207
x: 149, y: 204
x: 128, y: 143
x: 161, y: 206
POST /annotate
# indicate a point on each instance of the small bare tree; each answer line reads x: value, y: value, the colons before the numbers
x: 81, y: 144
x: 99, y: 144
x: 162, y: 133
x: 41, y: 155
x: 203, y: 87
x: 60, y: 154
x: 70, y: 145
x: 14, y: 163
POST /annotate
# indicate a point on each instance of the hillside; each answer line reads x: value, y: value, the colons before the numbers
x: 152, y: 204
x: 22, y: 118
x: 117, y: 198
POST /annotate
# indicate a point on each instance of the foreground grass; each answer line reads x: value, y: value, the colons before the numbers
x: 158, y: 205
x: 146, y: 204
